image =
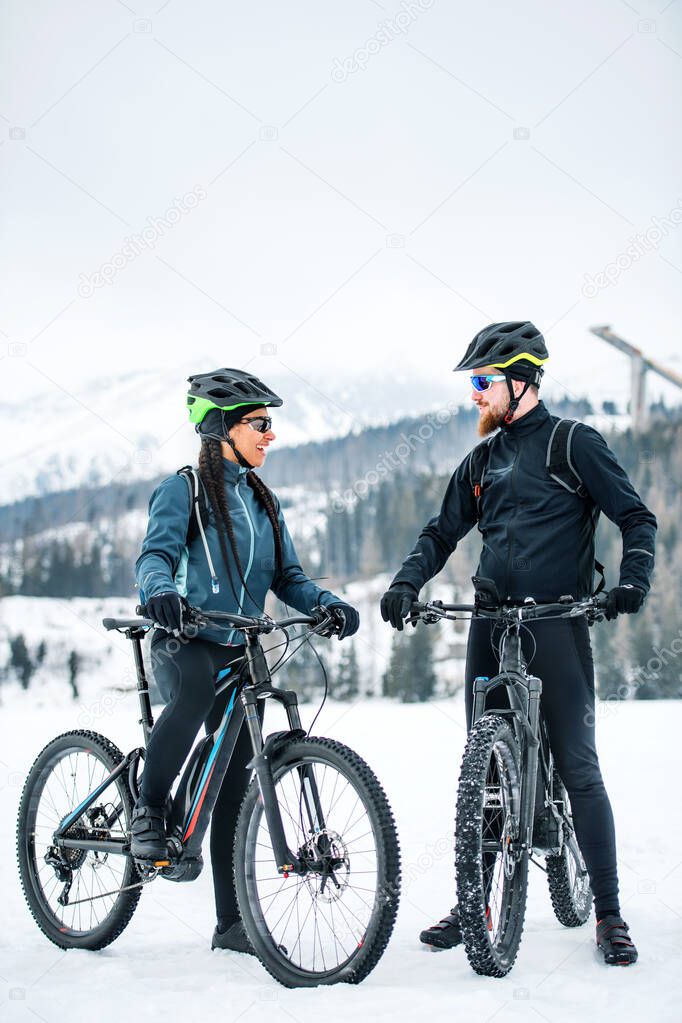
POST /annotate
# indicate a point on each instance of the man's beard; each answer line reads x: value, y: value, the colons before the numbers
x: 489, y: 420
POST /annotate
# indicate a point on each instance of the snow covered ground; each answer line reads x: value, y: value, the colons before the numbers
x: 162, y: 968
x: 105, y: 659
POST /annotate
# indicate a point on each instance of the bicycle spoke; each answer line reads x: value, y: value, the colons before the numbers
x: 306, y: 918
x: 74, y: 775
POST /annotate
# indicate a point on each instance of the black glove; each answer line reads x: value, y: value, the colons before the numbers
x: 623, y: 600
x: 346, y: 617
x: 166, y: 610
x: 396, y: 603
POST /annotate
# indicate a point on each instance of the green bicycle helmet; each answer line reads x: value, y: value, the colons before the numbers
x: 226, y: 389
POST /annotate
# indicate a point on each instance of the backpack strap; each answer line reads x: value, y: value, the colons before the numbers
x: 600, y: 568
x: 198, y: 518
x: 561, y: 468
x: 478, y: 461
x: 559, y: 462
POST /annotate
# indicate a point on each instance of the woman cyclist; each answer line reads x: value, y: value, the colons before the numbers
x: 229, y: 564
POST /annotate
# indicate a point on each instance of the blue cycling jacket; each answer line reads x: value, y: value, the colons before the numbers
x: 166, y: 562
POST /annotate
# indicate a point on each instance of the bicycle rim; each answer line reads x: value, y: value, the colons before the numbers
x: 64, y: 782
x: 491, y: 867
x: 499, y: 822
x: 317, y: 921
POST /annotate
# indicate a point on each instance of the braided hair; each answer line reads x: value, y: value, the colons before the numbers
x: 211, y: 473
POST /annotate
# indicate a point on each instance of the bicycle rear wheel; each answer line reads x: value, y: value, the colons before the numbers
x: 75, y: 896
x: 567, y: 877
x: 492, y: 878
x: 332, y: 923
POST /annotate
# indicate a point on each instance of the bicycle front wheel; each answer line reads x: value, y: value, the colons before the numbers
x: 79, y: 898
x: 491, y: 869
x: 332, y: 923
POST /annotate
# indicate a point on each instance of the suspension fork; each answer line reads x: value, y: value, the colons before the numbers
x: 531, y: 748
x: 309, y: 792
x: 285, y: 860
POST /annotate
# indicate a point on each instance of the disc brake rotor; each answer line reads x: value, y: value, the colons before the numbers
x: 330, y: 876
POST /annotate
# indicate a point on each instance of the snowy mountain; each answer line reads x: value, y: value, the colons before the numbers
x: 134, y: 425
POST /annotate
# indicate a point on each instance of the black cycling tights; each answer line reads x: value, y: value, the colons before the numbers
x: 563, y: 660
x: 185, y: 672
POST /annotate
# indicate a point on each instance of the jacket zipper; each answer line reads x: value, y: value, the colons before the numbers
x: 510, y: 528
x: 251, y: 551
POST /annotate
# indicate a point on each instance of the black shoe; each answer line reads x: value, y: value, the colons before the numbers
x: 233, y: 938
x: 148, y: 833
x: 447, y: 933
x: 614, y: 942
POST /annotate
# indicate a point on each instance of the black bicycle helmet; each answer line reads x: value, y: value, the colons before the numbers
x: 505, y: 345
x: 226, y: 389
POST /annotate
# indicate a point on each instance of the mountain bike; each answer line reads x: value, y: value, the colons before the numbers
x: 317, y: 862
x: 511, y: 801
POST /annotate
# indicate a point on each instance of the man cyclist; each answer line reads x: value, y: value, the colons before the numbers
x: 538, y: 541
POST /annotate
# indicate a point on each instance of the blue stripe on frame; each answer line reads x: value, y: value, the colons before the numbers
x: 209, y: 762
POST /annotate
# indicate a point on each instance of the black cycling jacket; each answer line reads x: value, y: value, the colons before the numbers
x: 538, y: 539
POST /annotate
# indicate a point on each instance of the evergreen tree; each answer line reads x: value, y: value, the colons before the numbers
x: 422, y: 674
x: 346, y: 685
x: 394, y: 680
x: 302, y: 673
x: 20, y: 661
x: 609, y: 661
x: 411, y: 674
x: 74, y: 668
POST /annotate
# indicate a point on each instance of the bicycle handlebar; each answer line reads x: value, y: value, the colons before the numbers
x: 565, y: 607
x: 197, y: 616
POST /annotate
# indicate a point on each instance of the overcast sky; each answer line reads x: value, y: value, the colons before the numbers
x: 361, y: 184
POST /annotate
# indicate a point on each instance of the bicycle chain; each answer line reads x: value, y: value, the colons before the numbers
x: 117, y: 891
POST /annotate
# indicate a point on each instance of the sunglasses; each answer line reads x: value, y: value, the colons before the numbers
x: 259, y: 423
x: 483, y: 381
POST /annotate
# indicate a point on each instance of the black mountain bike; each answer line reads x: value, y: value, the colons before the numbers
x: 511, y: 801
x: 317, y: 862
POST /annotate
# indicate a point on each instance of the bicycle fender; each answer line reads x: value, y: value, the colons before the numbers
x: 275, y: 741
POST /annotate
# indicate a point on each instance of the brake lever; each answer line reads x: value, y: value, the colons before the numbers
x: 427, y: 613
x: 327, y: 627
x: 431, y: 617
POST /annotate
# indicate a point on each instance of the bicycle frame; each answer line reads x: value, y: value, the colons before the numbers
x: 209, y: 761
x: 523, y: 690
